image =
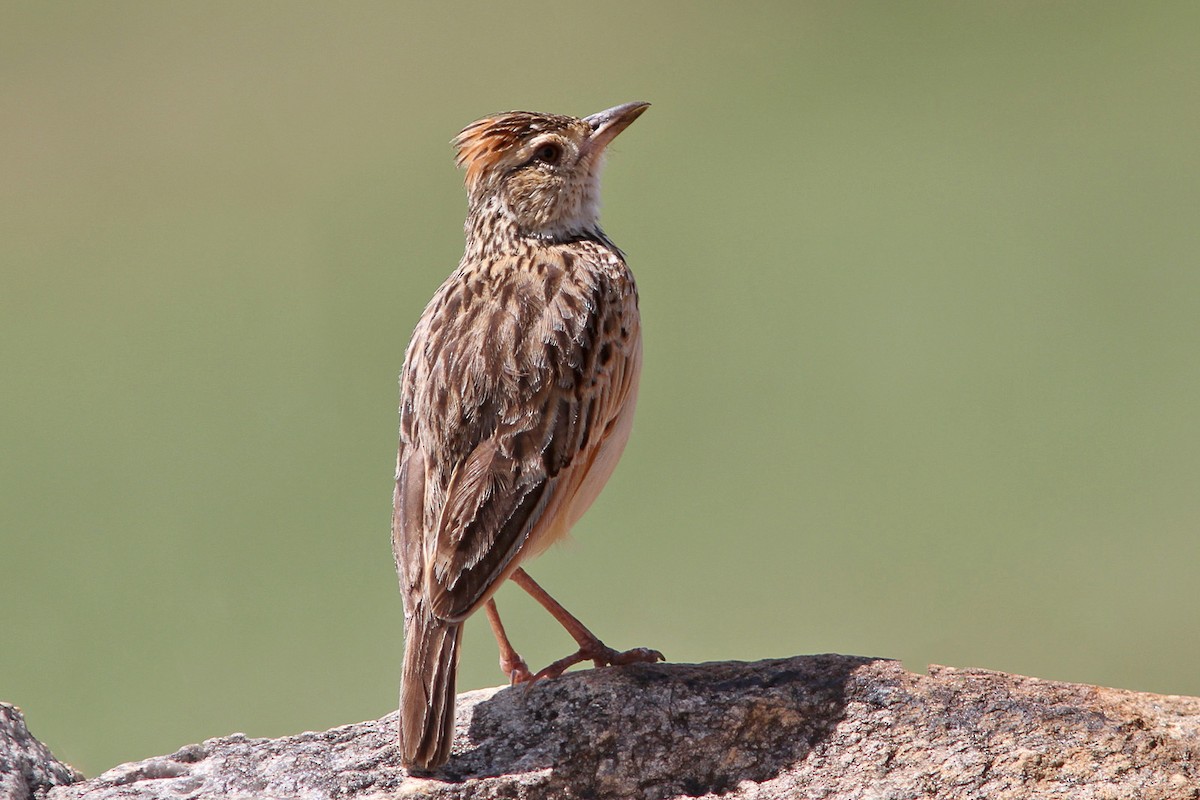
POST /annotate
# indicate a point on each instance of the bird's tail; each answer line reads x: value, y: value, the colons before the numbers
x: 427, y: 690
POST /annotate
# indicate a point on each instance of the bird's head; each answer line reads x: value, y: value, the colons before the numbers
x: 540, y: 172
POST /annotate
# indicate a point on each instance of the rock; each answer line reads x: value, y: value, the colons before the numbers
x: 27, y: 769
x: 810, y: 726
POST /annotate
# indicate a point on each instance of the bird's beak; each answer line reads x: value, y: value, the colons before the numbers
x: 606, y: 125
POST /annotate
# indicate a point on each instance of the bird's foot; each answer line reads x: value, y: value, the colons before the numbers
x: 638, y: 655
x: 515, y: 668
x: 601, y: 656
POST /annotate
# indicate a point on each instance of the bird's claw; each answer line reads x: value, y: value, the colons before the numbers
x: 638, y: 655
x: 601, y: 656
x: 517, y: 670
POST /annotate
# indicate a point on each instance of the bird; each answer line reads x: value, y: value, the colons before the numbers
x: 517, y: 398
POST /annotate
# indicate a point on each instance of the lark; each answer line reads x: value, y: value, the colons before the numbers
x: 516, y: 401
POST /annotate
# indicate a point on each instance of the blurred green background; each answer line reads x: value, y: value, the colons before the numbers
x: 922, y: 309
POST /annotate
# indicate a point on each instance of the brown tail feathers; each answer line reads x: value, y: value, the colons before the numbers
x: 427, y: 690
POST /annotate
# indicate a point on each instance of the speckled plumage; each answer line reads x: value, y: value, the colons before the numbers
x: 517, y: 392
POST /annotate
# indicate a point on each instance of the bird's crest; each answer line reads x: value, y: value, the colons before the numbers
x: 482, y: 144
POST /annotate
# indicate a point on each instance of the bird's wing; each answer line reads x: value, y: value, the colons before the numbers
x: 492, y: 504
x: 499, y: 413
x: 450, y: 557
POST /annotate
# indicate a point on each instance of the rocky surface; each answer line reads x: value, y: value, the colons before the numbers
x: 27, y: 769
x: 810, y: 726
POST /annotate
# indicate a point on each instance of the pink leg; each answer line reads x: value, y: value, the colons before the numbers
x: 513, y: 666
x: 590, y: 646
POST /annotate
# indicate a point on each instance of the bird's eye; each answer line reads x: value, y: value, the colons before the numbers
x: 548, y: 153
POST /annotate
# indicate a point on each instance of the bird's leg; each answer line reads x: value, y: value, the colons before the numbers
x: 590, y: 646
x: 513, y: 666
